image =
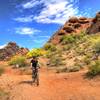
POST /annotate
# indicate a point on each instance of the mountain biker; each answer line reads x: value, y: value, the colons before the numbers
x: 34, y: 65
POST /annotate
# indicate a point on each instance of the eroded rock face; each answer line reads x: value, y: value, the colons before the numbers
x: 22, y: 51
x: 73, y: 26
x: 95, y: 26
x: 73, y: 20
x: 10, y: 50
x: 68, y: 29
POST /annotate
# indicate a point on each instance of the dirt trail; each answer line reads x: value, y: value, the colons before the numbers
x: 53, y: 86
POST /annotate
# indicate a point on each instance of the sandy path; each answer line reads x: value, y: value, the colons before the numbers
x: 65, y: 86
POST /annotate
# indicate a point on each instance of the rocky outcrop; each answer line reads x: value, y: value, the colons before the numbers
x: 73, y: 20
x: 73, y: 26
x: 22, y: 51
x: 10, y: 50
x: 95, y: 26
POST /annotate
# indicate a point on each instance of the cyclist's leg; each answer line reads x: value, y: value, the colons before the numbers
x: 33, y: 74
x: 37, y: 77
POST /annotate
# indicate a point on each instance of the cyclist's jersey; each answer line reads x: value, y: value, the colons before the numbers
x: 34, y: 63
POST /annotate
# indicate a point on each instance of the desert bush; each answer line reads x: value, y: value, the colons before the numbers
x: 20, y: 61
x: 87, y: 60
x: 49, y: 54
x: 50, y: 47
x: 79, y: 51
x: 67, y: 39
x: 62, y: 70
x: 97, y: 47
x: 36, y: 52
x: 67, y: 47
x: 94, y: 68
x: 1, y: 71
x: 68, y: 69
x: 56, y: 61
x: 81, y: 38
x: 72, y: 38
x: 73, y: 69
x: 79, y: 65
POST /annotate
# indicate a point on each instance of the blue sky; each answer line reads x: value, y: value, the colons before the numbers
x: 30, y: 23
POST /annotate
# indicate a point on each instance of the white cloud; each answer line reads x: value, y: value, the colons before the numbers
x: 2, y: 46
x: 24, y: 19
x: 54, y: 11
x: 26, y: 30
x: 31, y: 4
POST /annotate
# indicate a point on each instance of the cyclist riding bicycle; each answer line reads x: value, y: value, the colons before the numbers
x: 34, y: 65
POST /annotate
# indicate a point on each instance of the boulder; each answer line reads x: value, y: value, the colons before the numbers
x: 77, y: 25
x: 61, y: 32
x: 73, y: 20
x: 68, y: 29
x: 82, y: 18
x: 83, y: 21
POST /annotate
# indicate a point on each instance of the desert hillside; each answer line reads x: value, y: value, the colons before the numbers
x: 76, y: 45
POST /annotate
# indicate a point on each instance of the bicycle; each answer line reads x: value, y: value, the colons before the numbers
x: 35, y: 76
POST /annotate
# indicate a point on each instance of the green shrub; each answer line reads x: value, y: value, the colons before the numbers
x: 50, y: 47
x: 73, y: 69
x: 56, y: 61
x: 72, y: 38
x: 49, y: 54
x: 67, y: 47
x: 97, y: 47
x: 69, y: 69
x: 18, y: 60
x: 1, y: 71
x: 67, y: 39
x: 82, y: 34
x: 94, y: 69
x: 79, y: 65
x: 87, y: 60
x: 79, y: 51
x: 62, y: 70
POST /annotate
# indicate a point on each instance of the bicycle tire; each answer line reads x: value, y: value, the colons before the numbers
x: 35, y: 77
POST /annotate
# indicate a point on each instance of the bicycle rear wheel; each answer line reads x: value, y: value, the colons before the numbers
x: 37, y: 79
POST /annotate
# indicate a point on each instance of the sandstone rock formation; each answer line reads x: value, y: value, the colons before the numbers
x: 10, y: 50
x: 73, y: 26
x: 95, y: 26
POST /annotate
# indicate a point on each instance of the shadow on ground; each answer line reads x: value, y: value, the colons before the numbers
x: 26, y: 82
